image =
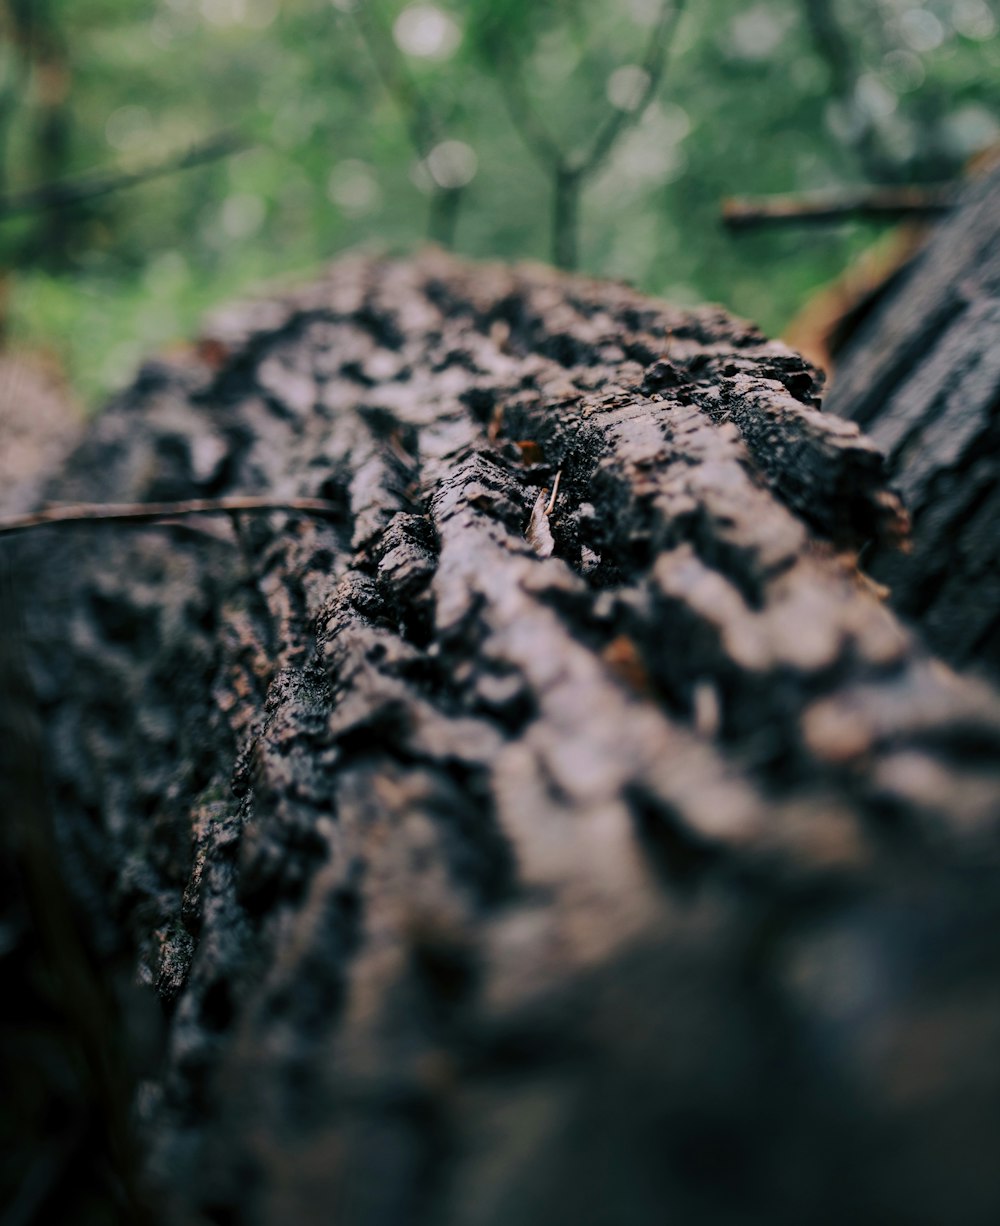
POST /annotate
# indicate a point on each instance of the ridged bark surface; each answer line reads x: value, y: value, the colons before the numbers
x: 922, y: 377
x: 505, y: 851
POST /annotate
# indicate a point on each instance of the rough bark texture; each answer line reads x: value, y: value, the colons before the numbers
x: 923, y: 378
x: 605, y: 854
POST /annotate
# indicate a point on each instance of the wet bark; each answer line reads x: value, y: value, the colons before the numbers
x: 510, y: 850
x: 922, y: 377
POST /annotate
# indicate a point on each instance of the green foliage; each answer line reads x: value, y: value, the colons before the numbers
x: 745, y: 107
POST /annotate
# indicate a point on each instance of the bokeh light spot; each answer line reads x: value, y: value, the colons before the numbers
x: 970, y: 129
x: 242, y: 215
x: 224, y: 12
x: 903, y: 71
x: 873, y: 97
x: 974, y: 19
x: 757, y: 33
x: 921, y: 30
x: 426, y: 32
x: 128, y: 128
x: 645, y: 13
x: 452, y: 164
x: 626, y: 87
x: 260, y: 13
x: 353, y: 188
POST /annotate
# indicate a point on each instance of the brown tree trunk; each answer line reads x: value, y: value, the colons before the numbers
x: 566, y: 833
x: 922, y: 376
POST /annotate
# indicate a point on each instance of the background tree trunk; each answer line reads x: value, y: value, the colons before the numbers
x: 922, y: 376
x: 567, y: 832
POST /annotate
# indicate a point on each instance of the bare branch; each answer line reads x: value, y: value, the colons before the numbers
x: 399, y: 83
x: 422, y: 126
x: 831, y: 43
x: 72, y: 192
x: 840, y: 204
x: 525, y: 118
x: 568, y: 173
x: 566, y: 190
x: 653, y: 65
x: 148, y: 512
x: 536, y: 135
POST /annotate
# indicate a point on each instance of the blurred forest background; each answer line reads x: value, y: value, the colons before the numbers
x: 287, y: 130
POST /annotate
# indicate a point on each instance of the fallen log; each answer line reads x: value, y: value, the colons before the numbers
x: 922, y: 376
x: 566, y: 831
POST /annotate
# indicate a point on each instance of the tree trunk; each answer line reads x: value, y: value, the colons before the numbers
x: 922, y: 376
x: 565, y: 833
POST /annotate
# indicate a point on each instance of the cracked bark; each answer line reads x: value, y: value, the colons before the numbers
x: 655, y: 876
x: 922, y: 376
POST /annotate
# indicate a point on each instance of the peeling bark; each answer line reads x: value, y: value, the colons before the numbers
x: 923, y: 378
x: 635, y: 866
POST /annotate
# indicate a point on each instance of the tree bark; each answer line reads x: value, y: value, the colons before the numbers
x: 566, y: 833
x: 922, y: 376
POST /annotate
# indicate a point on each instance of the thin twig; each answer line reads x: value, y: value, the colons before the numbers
x: 550, y: 506
x: 147, y: 512
x: 93, y: 186
x: 839, y: 204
